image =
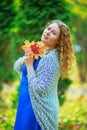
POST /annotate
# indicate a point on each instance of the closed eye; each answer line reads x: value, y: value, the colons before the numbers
x: 54, y: 33
x: 48, y: 28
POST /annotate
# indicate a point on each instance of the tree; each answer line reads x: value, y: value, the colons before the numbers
x: 79, y: 23
x: 22, y: 20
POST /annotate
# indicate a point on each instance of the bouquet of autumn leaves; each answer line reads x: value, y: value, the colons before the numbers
x: 36, y: 49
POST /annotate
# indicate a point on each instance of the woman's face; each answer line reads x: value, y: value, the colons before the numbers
x: 50, y: 35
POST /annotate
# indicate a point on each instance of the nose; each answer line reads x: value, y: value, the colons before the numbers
x: 48, y: 32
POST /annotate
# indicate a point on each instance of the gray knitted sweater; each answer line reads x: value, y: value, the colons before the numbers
x: 43, y: 84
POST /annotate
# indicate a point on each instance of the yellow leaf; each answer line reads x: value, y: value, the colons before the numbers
x: 40, y: 49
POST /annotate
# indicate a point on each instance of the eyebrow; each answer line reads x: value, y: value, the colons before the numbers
x: 53, y: 29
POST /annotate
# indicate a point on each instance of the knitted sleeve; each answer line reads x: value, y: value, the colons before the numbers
x: 45, y: 75
x: 18, y: 67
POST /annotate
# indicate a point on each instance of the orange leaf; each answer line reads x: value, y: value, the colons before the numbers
x: 38, y: 48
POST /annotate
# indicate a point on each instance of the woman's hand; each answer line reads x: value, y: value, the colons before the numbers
x: 23, y: 60
x: 29, y: 58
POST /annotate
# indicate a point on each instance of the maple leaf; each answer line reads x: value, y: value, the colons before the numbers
x: 26, y: 46
x: 36, y: 48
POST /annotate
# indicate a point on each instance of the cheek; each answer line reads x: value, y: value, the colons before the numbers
x: 54, y: 37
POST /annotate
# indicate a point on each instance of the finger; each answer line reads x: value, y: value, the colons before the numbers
x: 27, y: 53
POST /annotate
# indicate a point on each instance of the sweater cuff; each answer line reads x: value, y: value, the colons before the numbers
x: 31, y: 74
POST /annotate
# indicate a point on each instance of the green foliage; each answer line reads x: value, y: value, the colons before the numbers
x: 73, y: 114
x: 63, y: 85
x: 14, y: 98
x: 22, y: 20
x: 79, y: 28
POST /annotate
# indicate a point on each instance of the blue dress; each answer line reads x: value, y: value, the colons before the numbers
x: 25, y: 118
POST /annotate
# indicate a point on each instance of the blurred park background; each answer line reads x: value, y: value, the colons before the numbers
x: 20, y: 20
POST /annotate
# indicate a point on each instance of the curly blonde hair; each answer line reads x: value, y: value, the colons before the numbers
x: 65, y: 48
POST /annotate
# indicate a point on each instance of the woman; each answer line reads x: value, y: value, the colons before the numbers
x: 38, y: 106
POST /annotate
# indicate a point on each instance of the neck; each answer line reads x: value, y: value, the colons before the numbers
x: 49, y: 50
x: 49, y: 47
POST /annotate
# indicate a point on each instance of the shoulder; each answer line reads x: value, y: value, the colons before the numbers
x: 50, y: 60
x: 52, y: 57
